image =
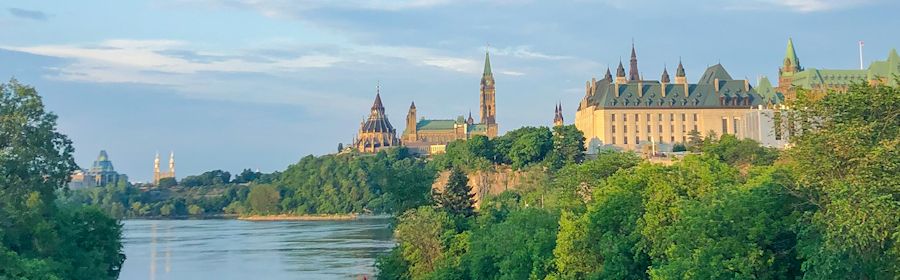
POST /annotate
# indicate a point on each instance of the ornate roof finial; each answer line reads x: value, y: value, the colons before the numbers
x: 679, y: 72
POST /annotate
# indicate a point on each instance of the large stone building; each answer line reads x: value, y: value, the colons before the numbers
x: 101, y: 173
x: 158, y: 174
x: 429, y: 136
x: 376, y: 132
x: 792, y: 75
x: 630, y: 112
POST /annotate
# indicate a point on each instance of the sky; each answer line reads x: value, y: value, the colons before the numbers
x: 234, y: 84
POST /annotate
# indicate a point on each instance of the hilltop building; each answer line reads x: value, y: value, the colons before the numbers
x: 430, y: 136
x: 157, y: 174
x: 630, y: 112
x: 376, y: 132
x: 792, y: 75
x: 101, y: 173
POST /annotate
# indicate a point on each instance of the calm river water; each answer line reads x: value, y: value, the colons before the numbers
x: 232, y: 249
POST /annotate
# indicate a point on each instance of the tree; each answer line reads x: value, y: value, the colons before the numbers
x: 40, y: 239
x: 695, y: 140
x: 420, y: 234
x: 264, y: 199
x: 568, y: 145
x: 846, y: 157
x: 518, y: 247
x: 457, y: 196
x: 246, y: 176
x: 167, y: 182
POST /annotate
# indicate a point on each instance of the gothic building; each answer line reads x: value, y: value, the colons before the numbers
x: 157, y: 174
x: 429, y: 136
x: 628, y: 112
x: 792, y: 76
x: 376, y: 132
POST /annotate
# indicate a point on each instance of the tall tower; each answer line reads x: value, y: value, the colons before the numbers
x: 488, y: 102
x: 156, y: 169
x: 411, y: 129
x: 633, y: 74
x: 172, y: 164
x: 558, y: 118
x: 790, y: 66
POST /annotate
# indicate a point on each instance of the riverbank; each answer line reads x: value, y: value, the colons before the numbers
x: 288, y: 217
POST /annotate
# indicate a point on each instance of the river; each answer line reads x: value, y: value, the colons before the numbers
x: 233, y: 249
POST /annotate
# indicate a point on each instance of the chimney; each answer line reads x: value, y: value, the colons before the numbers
x: 746, y: 85
x: 640, y: 85
x: 662, y: 88
x: 716, y: 84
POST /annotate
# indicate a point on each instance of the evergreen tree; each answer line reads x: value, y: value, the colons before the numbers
x: 457, y: 197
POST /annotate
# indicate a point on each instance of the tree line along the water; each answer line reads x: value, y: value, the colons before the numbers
x: 826, y: 208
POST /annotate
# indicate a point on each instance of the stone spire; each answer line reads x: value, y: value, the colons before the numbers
x: 608, y: 75
x: 487, y: 64
x: 558, y: 117
x: 680, y: 71
x: 633, y: 74
x: 620, y: 71
x: 488, y: 110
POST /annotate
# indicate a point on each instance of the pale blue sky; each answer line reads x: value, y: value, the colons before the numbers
x: 232, y: 84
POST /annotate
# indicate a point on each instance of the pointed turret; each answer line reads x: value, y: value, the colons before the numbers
x: 665, y: 76
x: 633, y: 74
x: 558, y: 117
x: 679, y: 74
x: 791, y: 62
x: 413, y: 105
x: 608, y: 75
x: 487, y: 64
x: 470, y: 120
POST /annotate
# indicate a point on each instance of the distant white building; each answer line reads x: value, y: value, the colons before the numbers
x: 767, y: 126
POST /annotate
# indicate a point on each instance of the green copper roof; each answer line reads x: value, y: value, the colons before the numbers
x: 791, y: 54
x: 487, y: 64
x: 886, y: 68
x: 435, y: 124
x: 714, y: 72
x: 652, y: 94
x: 812, y: 77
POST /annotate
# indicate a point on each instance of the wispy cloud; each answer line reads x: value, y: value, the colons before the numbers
x: 802, y: 6
x: 525, y: 52
x: 28, y: 14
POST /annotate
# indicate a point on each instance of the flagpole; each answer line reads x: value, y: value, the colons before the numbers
x: 861, y: 55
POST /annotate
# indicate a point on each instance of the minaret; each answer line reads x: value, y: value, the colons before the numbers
x: 488, y: 109
x: 558, y: 119
x: 172, y: 164
x: 156, y: 169
x: 633, y: 74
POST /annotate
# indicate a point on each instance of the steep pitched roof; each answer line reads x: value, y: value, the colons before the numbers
x: 487, y: 64
x: 714, y: 72
x: 791, y: 54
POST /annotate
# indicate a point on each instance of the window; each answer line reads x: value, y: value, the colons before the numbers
x: 683, y: 129
x: 695, y: 117
x: 624, y: 117
x: 613, y: 129
x: 672, y: 117
x: 660, y: 139
x: 695, y: 128
x: 672, y: 128
x: 649, y: 139
x: 625, y: 140
x: 660, y: 129
x: 613, y: 117
x: 724, y: 126
x: 648, y: 129
x: 734, y: 123
x: 682, y: 116
x: 637, y: 141
x: 673, y: 139
x: 683, y: 139
x: 637, y: 118
x: 624, y: 129
x: 648, y: 117
x: 659, y: 117
x: 613, y: 140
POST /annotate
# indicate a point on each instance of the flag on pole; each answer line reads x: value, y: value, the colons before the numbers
x: 861, y: 43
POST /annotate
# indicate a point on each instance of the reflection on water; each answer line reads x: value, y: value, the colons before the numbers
x: 232, y: 249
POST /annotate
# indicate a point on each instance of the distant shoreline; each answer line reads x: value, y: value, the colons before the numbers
x: 289, y: 217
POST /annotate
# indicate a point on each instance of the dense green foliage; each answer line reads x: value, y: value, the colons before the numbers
x: 456, y: 197
x: 519, y: 148
x: 826, y: 208
x: 40, y: 239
